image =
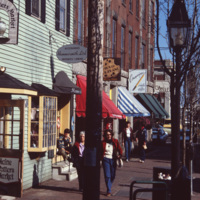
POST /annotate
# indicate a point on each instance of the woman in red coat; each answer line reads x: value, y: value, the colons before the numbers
x: 111, y: 150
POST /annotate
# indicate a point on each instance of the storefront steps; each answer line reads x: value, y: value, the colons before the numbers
x: 63, y: 171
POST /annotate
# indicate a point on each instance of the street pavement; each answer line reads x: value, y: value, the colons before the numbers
x: 157, y: 156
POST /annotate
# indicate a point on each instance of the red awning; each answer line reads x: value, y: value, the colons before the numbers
x: 108, y: 107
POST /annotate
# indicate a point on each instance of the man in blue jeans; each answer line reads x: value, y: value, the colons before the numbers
x: 127, y: 138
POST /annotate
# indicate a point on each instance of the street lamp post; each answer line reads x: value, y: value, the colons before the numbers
x: 178, y: 25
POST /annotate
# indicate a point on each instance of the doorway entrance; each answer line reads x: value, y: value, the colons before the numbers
x: 11, y: 146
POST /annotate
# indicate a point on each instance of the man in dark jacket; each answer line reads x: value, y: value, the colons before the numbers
x: 142, y: 140
x: 78, y: 158
x: 64, y: 144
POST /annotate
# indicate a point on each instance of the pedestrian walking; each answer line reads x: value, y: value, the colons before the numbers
x: 142, y: 140
x: 111, y: 151
x: 127, y: 139
x: 78, y: 158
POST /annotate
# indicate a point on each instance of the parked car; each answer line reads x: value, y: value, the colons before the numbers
x: 167, y: 126
x: 159, y: 135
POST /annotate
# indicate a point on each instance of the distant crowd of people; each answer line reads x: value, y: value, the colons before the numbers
x: 111, y: 151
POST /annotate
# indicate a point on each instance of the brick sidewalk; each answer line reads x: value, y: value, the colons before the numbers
x: 56, y: 190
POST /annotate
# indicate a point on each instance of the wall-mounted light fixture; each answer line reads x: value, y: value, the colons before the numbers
x: 2, y: 31
x: 2, y: 69
x: 2, y: 28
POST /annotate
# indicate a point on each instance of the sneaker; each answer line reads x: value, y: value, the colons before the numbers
x: 141, y: 161
x: 108, y: 194
x: 127, y: 160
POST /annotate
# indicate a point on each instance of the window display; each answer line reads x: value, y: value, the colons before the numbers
x: 42, y: 123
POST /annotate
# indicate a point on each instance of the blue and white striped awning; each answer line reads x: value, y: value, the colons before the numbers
x: 129, y: 105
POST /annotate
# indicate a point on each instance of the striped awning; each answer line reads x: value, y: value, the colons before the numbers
x: 152, y: 105
x: 129, y: 105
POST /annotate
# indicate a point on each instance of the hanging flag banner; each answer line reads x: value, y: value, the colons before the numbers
x: 137, y: 81
x: 112, y: 69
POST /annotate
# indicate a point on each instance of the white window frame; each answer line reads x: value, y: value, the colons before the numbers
x: 39, y: 9
x: 64, y: 25
x: 114, y: 37
x: 122, y: 46
x: 136, y: 51
x: 130, y: 38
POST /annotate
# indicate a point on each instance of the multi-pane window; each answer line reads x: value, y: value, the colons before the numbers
x: 131, y: 5
x: 36, y: 8
x: 143, y: 13
x: 49, y: 121
x: 63, y: 15
x: 130, y: 49
x: 137, y: 8
x: 114, y: 37
x: 151, y: 65
x: 11, y: 125
x: 42, y: 123
x: 122, y: 47
x: 143, y: 55
x: 152, y: 16
x: 136, y: 52
x: 80, y: 21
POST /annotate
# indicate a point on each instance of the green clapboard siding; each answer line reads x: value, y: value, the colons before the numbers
x: 34, y: 59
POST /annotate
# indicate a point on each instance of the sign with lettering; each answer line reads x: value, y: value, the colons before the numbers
x: 9, y: 170
x: 13, y: 21
x: 72, y: 53
x: 137, y: 81
x: 112, y: 69
x: 162, y: 86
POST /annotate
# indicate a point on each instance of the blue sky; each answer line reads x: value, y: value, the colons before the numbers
x: 162, y: 37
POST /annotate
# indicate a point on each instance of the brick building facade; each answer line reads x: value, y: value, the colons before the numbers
x: 128, y: 34
x: 162, y: 84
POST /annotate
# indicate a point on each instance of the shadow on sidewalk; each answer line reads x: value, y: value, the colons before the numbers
x: 196, y: 183
x: 58, y: 189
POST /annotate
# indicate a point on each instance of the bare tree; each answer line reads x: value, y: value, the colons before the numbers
x: 186, y: 64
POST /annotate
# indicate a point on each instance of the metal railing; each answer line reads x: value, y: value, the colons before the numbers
x: 133, y: 195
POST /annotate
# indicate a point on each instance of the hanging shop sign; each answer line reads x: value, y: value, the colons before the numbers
x: 137, y: 81
x: 12, y: 25
x: 72, y: 53
x: 112, y: 69
x: 162, y: 86
x: 9, y: 170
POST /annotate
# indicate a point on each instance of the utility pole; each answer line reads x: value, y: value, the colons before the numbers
x: 91, y: 190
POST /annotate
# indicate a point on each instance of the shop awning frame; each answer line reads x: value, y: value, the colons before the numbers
x: 129, y: 105
x: 43, y: 90
x: 161, y: 107
x: 63, y: 85
x: 11, y: 85
x: 152, y: 105
x: 109, y: 109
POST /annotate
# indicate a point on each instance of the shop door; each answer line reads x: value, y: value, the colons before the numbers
x: 11, y: 147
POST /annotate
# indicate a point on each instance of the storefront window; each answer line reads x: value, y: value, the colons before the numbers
x: 42, y: 123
